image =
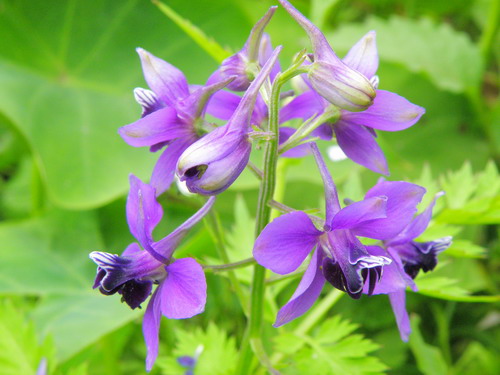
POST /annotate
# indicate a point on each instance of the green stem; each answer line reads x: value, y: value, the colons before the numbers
x: 252, y: 337
x: 229, y: 266
x: 489, y: 31
x: 216, y: 232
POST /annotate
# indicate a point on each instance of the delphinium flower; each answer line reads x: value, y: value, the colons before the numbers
x: 339, y: 257
x: 332, y: 78
x: 355, y: 131
x: 245, y: 64
x: 172, y: 115
x: 210, y: 165
x: 408, y: 258
x: 181, y: 291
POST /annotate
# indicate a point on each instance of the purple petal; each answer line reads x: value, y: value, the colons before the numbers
x: 359, y: 212
x: 168, y: 82
x: 402, y: 200
x: 148, y: 100
x: 398, y: 303
x: 184, y: 292
x: 363, y: 56
x: 331, y: 196
x: 389, y: 112
x: 158, y: 127
x: 151, y: 328
x: 222, y: 104
x: 167, y: 245
x: 359, y: 145
x: 285, y: 242
x: 164, y: 170
x: 306, y: 294
x: 417, y: 226
x: 303, y: 106
x: 265, y: 52
x: 394, y: 277
x: 143, y: 211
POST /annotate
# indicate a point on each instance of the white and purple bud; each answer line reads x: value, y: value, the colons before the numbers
x: 329, y: 76
x: 210, y: 165
x: 244, y: 64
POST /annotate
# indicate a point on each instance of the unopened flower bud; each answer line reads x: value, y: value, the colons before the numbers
x: 341, y: 85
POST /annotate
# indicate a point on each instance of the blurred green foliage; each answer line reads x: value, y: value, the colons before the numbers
x: 67, y: 70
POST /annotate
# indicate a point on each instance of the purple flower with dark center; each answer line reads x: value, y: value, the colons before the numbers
x: 181, y: 291
x: 330, y: 77
x: 254, y: 54
x: 210, y: 165
x: 172, y: 115
x: 339, y: 256
x: 355, y: 131
x: 408, y: 257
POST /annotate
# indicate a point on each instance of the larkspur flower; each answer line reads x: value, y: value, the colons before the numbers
x: 210, y: 165
x: 355, y: 131
x: 172, y: 115
x: 408, y: 257
x: 330, y: 77
x: 339, y: 257
x: 245, y: 64
x: 181, y: 291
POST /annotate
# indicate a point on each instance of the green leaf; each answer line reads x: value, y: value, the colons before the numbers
x: 465, y: 249
x: 66, y: 82
x: 448, y: 57
x: 215, y: 352
x: 20, y: 350
x: 459, y: 186
x: 213, y: 48
x: 430, y: 361
x: 333, y: 349
x: 48, y: 257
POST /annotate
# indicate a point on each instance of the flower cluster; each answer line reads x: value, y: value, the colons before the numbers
x: 339, y: 99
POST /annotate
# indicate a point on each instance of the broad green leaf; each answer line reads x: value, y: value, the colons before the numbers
x: 48, y: 257
x: 429, y: 359
x: 213, y: 48
x: 87, y: 317
x: 448, y: 57
x: 20, y: 350
x: 66, y: 83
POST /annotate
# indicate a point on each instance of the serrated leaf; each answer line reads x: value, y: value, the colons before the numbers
x: 488, y: 181
x: 20, y: 350
x: 459, y: 186
x: 333, y: 349
x: 213, y: 48
x: 448, y: 57
x: 465, y: 249
x: 216, y: 352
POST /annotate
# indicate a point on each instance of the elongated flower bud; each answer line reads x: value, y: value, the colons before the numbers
x: 329, y: 76
x: 211, y: 164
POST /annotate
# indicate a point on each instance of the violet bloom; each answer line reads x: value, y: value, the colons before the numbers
x: 355, y: 131
x: 339, y: 256
x: 182, y: 289
x: 172, y: 115
x: 408, y: 257
x: 245, y: 64
x: 332, y: 78
x: 210, y: 165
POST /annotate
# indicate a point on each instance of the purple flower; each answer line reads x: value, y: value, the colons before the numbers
x: 330, y: 77
x: 181, y: 291
x: 210, y: 165
x: 254, y: 54
x: 355, y: 131
x: 172, y: 115
x: 339, y: 256
x: 408, y: 257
